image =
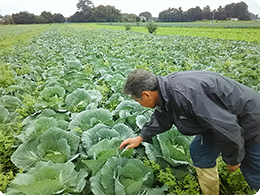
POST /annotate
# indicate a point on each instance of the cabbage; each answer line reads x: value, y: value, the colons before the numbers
x: 89, y: 118
x: 101, y: 131
x: 122, y: 176
x: 82, y: 97
x: 171, y: 149
x: 49, y: 178
x: 99, y: 153
x: 55, y: 144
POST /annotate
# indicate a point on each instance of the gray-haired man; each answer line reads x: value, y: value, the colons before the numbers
x: 224, y: 114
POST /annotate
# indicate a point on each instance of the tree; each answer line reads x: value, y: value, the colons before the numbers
x: 24, y: 18
x: 58, y: 18
x: 147, y: 15
x: 7, y: 19
x: 220, y: 14
x: 47, y: 16
x: 77, y: 17
x: 129, y: 18
x: 84, y: 5
x: 106, y: 14
x: 194, y: 14
x: 40, y: 20
x: 207, y: 14
x: 163, y: 16
x: 238, y: 10
x: 242, y: 12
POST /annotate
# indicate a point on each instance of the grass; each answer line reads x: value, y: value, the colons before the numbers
x: 11, y: 35
x: 242, y: 34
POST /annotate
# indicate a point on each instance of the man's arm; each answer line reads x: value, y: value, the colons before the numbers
x: 160, y: 122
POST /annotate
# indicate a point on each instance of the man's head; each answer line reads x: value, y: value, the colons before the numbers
x: 143, y: 88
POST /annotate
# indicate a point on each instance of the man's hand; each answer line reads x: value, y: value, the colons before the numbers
x: 232, y: 168
x: 133, y: 142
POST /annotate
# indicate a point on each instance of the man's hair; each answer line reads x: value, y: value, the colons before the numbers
x: 138, y: 81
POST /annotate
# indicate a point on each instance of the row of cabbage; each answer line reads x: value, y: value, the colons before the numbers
x: 67, y: 88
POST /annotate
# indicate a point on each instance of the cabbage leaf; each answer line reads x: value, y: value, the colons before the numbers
x: 49, y: 178
x: 55, y: 144
x: 89, y: 118
x: 121, y: 175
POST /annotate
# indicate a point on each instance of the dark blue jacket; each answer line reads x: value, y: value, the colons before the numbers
x: 199, y: 102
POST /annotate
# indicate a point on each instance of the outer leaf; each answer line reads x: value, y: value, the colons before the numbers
x: 10, y: 102
x: 49, y: 92
x: 118, y: 172
x: 55, y: 144
x: 90, y: 118
x: 49, y: 178
x: 45, y: 187
x: 3, y: 114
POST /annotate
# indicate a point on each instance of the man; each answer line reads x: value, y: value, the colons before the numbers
x: 224, y: 114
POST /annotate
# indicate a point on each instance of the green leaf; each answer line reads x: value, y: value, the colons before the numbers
x: 10, y: 102
x: 122, y: 173
x: 49, y: 178
x: 87, y: 119
x: 3, y: 114
x: 45, y: 187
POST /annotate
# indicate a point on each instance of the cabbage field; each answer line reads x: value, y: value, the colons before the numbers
x: 63, y: 114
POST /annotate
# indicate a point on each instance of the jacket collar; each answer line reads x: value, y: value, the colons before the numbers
x: 163, y: 95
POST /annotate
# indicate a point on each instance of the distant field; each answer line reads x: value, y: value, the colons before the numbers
x: 249, y: 31
x: 251, y: 34
x: 221, y: 24
x: 14, y: 34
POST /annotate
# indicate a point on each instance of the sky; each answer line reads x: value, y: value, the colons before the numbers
x: 68, y: 7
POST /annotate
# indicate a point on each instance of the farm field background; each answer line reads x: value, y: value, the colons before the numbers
x: 63, y: 114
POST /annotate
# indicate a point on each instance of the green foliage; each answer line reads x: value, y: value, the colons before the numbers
x: 7, y: 75
x: 54, y: 145
x: 187, y: 185
x: 232, y: 182
x: 7, y: 142
x: 28, y: 106
x: 128, y: 27
x: 69, y: 84
x: 48, y: 178
x: 121, y: 175
x: 151, y: 26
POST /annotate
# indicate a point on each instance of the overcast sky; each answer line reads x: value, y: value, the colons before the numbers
x: 68, y: 7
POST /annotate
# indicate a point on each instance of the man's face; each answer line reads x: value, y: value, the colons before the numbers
x: 149, y: 99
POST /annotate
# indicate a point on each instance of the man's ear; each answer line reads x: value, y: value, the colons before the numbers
x: 146, y: 95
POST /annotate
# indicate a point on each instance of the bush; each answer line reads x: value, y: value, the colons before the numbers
x: 128, y: 27
x: 151, y: 26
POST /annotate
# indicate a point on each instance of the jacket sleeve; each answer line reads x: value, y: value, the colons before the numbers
x: 214, y: 115
x: 160, y: 122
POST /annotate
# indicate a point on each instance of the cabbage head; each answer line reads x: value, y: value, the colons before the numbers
x: 81, y: 98
x: 99, y: 153
x: 122, y: 176
x: 101, y: 131
x: 171, y: 149
x: 89, y: 118
x: 56, y: 145
x: 49, y: 178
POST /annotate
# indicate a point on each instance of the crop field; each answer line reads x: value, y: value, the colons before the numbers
x: 63, y: 114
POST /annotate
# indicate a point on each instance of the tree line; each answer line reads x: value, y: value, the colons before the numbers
x: 87, y: 12
x: 25, y: 17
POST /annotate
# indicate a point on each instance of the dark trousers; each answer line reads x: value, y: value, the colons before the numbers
x: 204, y: 153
